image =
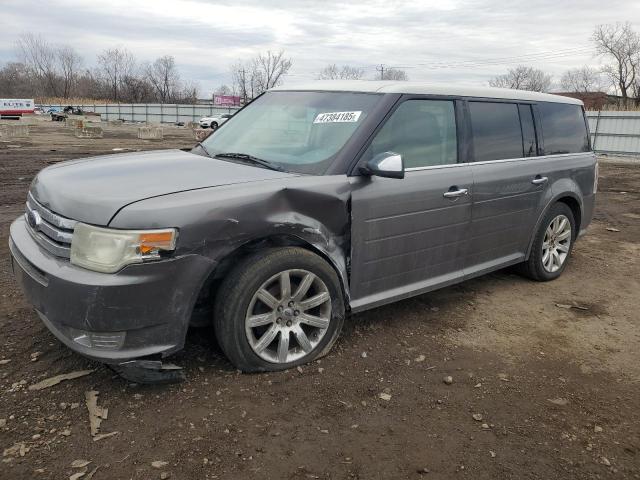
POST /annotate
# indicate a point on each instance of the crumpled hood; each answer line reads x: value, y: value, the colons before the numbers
x: 92, y: 190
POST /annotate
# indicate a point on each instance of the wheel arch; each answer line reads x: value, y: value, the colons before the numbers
x: 576, y: 208
x: 202, y: 310
x: 569, y: 198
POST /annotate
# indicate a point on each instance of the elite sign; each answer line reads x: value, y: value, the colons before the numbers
x: 226, y: 100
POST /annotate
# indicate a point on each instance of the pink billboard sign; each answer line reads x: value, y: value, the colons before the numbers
x: 226, y: 100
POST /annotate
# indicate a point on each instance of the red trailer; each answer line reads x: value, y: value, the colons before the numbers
x: 16, y: 107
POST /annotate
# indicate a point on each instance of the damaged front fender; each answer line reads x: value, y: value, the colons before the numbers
x: 215, y: 222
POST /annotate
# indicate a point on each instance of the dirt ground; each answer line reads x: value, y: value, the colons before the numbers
x: 551, y: 370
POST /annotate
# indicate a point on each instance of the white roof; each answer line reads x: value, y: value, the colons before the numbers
x: 420, y: 88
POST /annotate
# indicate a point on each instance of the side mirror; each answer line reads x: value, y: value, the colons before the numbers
x: 385, y: 164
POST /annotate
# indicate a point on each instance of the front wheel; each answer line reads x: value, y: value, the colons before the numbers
x: 213, y: 126
x: 278, y: 309
x: 552, y: 245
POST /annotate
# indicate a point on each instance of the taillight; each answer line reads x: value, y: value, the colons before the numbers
x: 595, y: 178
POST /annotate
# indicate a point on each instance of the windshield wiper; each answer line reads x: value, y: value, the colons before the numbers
x: 252, y: 159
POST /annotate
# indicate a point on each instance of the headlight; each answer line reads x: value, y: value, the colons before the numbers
x: 108, y: 250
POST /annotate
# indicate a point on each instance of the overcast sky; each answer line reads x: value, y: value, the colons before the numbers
x: 455, y: 41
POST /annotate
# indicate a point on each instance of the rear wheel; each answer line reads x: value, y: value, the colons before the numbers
x: 552, y: 245
x: 278, y: 309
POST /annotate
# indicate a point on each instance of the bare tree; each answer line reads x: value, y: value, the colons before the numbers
x: 393, y: 74
x: 89, y: 85
x: 115, y: 65
x: 137, y: 88
x: 270, y: 68
x: 620, y: 44
x: 259, y: 74
x: 330, y: 72
x: 346, y: 72
x: 523, y: 78
x: 243, y: 78
x: 48, y: 70
x: 16, y: 80
x: 582, y: 80
x: 223, y: 90
x: 56, y: 68
x: 38, y: 55
x: 69, y: 63
x: 188, y: 93
x: 165, y: 78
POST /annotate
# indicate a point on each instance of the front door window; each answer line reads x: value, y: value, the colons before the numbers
x: 422, y: 131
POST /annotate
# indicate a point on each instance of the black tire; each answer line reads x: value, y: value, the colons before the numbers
x: 213, y: 126
x: 237, y: 289
x: 534, y: 268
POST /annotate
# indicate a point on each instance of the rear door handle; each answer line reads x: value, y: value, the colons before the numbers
x: 539, y: 180
x: 456, y: 193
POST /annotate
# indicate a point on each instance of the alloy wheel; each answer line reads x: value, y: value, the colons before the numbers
x: 556, y: 244
x: 288, y: 316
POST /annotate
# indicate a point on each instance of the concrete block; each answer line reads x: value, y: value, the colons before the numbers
x: 91, y: 117
x: 29, y: 119
x: 74, y: 122
x: 202, y: 133
x: 14, y: 131
x: 150, y: 133
x: 88, y: 132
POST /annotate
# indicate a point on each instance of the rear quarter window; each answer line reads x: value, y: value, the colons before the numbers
x: 563, y: 128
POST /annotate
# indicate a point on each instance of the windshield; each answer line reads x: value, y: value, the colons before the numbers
x: 297, y: 131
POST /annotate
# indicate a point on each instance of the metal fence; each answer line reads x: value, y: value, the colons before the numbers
x: 615, y: 132
x: 149, y: 112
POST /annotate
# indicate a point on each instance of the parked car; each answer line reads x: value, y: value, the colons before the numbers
x: 61, y: 116
x: 214, y: 121
x: 312, y: 203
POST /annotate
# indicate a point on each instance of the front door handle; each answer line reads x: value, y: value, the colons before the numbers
x: 539, y: 180
x: 456, y: 193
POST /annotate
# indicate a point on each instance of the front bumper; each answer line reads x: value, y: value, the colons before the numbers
x: 141, y: 310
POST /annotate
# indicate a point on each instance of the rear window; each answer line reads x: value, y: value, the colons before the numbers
x: 563, y: 128
x: 496, y: 131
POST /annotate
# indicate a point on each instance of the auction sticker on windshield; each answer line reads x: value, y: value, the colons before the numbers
x: 337, y: 117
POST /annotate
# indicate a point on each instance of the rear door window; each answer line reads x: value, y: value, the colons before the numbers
x: 563, y: 128
x: 496, y: 131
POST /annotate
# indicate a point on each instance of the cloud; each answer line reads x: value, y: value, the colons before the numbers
x: 446, y: 40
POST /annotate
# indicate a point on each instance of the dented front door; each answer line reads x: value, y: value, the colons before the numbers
x: 408, y: 235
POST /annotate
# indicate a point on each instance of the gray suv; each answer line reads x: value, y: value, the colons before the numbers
x: 310, y: 203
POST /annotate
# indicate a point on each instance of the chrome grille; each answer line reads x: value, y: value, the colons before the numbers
x: 50, y: 230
